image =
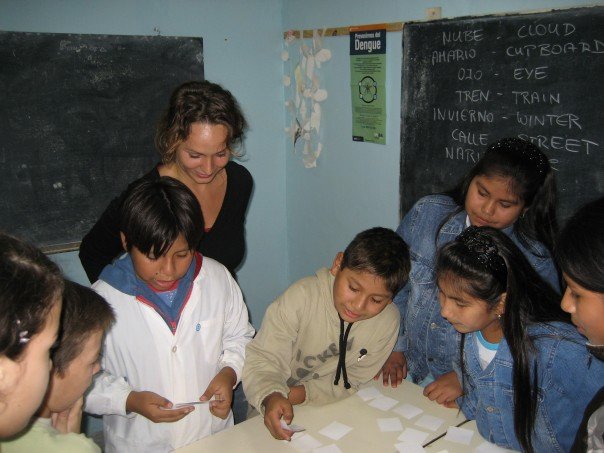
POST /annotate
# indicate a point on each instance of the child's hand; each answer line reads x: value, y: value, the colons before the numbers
x: 153, y: 406
x: 221, y: 388
x: 395, y: 369
x: 445, y: 390
x: 69, y: 420
x: 277, y: 407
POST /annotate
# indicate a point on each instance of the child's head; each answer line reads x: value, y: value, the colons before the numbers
x: 512, y: 184
x: 484, y: 267
x: 31, y: 287
x: 85, y: 318
x: 472, y: 280
x: 372, y: 269
x: 160, y: 226
x: 581, y: 256
x: 199, y: 102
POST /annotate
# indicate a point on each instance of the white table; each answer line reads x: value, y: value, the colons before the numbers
x: 252, y: 435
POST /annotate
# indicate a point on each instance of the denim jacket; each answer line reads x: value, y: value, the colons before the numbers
x: 568, y: 378
x: 429, y: 342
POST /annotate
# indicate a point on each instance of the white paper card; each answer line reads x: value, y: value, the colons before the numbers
x: 404, y: 447
x: 293, y: 427
x: 368, y: 393
x: 413, y: 436
x: 459, y: 435
x: 408, y: 411
x: 487, y: 447
x: 332, y: 448
x: 390, y: 424
x: 429, y: 422
x: 304, y: 442
x: 383, y: 403
x: 335, y: 430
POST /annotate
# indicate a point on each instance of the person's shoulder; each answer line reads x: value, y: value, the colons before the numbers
x: 436, y: 202
x: 310, y: 289
x: 241, y: 174
x: 214, y: 270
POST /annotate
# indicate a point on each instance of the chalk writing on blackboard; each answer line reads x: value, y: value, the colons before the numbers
x: 468, y: 82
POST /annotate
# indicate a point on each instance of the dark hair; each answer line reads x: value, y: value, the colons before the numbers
x: 490, y: 264
x: 532, y: 180
x: 580, y: 249
x: 199, y: 102
x: 30, y: 284
x: 84, y: 312
x: 382, y: 252
x: 155, y: 212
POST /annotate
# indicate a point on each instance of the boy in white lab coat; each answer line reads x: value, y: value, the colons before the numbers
x: 180, y: 333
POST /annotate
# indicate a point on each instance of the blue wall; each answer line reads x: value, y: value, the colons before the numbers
x: 299, y: 218
x: 355, y: 185
x: 242, y: 44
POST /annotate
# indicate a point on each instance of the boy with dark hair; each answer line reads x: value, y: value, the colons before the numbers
x: 85, y: 318
x: 181, y: 328
x: 330, y: 333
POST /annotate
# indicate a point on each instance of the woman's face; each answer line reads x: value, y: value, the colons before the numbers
x: 489, y: 202
x: 204, y: 154
x: 24, y: 381
x: 586, y: 309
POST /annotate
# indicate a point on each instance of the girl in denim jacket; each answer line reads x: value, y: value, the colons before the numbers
x: 581, y: 255
x: 525, y: 374
x: 511, y: 188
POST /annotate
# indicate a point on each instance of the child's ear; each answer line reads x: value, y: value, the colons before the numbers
x: 123, y: 240
x: 337, y: 264
x: 500, y: 310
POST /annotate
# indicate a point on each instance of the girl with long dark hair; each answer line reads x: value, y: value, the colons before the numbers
x: 511, y: 188
x: 525, y: 374
x: 581, y: 256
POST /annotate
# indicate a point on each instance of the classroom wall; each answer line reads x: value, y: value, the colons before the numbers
x: 355, y: 185
x: 242, y: 45
x: 298, y: 218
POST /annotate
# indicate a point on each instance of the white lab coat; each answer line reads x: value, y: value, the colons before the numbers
x: 141, y: 353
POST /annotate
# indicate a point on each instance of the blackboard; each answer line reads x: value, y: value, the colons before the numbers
x: 77, y: 120
x: 470, y: 81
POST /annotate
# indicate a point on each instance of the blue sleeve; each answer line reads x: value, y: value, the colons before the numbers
x: 548, y: 272
x: 401, y: 298
x: 572, y: 378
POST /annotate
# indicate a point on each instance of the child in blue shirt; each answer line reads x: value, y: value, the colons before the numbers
x: 531, y: 392
x: 181, y: 328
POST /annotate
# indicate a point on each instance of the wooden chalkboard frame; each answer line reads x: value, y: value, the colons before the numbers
x: 425, y: 167
x: 77, y: 120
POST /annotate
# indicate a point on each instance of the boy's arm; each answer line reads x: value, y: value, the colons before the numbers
x: 323, y: 390
x: 237, y: 332
x: 269, y: 355
x: 108, y: 395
